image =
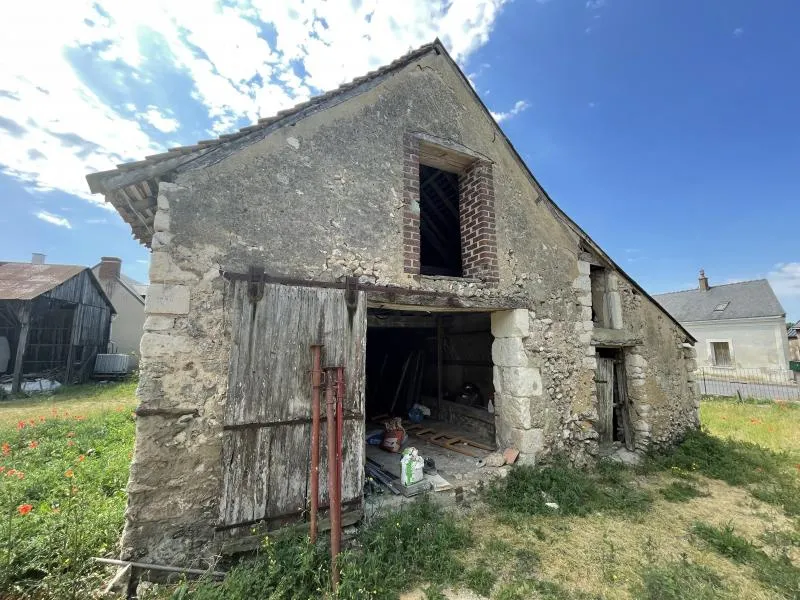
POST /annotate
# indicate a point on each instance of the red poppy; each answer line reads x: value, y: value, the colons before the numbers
x: 20, y: 475
x: 6, y: 448
x: 2, y: 468
x: 32, y: 422
x: 41, y: 418
x: 81, y: 458
x: 70, y: 443
x: 24, y: 509
x: 21, y: 425
x: 11, y: 472
x: 33, y: 444
x: 69, y: 473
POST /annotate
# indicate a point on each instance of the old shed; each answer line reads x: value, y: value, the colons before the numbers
x: 54, y: 320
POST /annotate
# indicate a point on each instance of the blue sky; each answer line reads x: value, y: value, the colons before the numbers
x: 668, y: 130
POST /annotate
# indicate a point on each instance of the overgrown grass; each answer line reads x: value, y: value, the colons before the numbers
x: 62, y: 489
x: 777, y: 572
x: 772, y: 425
x: 770, y: 476
x: 394, y: 553
x: 681, y: 580
x: 561, y: 490
x: 679, y: 491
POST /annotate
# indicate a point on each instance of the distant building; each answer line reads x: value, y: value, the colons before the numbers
x: 794, y: 342
x: 737, y: 325
x: 127, y: 296
x: 54, y: 321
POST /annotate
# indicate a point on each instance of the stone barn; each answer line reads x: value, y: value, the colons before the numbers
x: 392, y: 221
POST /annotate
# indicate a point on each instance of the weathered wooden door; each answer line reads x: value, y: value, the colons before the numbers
x: 267, y: 428
x: 604, y: 378
x: 623, y: 403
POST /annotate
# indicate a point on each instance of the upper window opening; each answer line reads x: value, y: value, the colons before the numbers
x: 439, y: 223
x: 721, y: 306
x: 600, y: 312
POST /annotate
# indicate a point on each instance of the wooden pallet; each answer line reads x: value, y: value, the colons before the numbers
x: 456, y: 443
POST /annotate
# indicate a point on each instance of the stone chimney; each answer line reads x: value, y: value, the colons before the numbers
x: 110, y: 267
x: 703, y: 281
x: 37, y: 258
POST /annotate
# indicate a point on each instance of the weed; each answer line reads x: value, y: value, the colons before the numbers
x: 529, y: 490
x: 434, y: 592
x: 776, y: 572
x: 678, y: 491
x: 480, y: 580
x: 495, y: 546
x: 679, y: 580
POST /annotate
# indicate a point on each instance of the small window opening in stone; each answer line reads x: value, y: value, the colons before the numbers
x: 600, y: 308
x: 439, y: 223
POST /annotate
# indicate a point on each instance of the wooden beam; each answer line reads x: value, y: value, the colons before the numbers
x: 22, y: 343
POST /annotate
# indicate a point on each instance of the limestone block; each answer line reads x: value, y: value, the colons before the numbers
x: 590, y: 363
x: 528, y: 441
x: 293, y: 143
x: 160, y: 345
x: 585, y: 338
x: 510, y: 323
x: 635, y: 360
x: 516, y: 412
x: 582, y: 282
x: 521, y: 381
x: 166, y: 299
x: 509, y: 352
x: 497, y: 380
x: 161, y: 221
x: 691, y: 365
x: 162, y: 201
x: 158, y: 323
x: 163, y: 269
x: 584, y: 268
x: 641, y: 426
x: 161, y: 239
x: 585, y: 300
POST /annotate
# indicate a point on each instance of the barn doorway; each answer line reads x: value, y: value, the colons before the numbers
x: 613, y: 404
x: 437, y: 364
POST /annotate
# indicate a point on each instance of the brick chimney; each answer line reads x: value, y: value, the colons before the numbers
x: 37, y: 258
x: 110, y: 267
x: 703, y: 281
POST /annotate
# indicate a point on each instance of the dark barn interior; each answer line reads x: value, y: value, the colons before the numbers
x: 442, y: 361
x: 440, y: 226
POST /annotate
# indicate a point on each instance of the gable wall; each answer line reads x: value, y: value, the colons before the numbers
x: 320, y: 200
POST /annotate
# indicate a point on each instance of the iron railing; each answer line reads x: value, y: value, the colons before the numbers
x: 762, y: 384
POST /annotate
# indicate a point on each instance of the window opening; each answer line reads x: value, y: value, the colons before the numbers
x: 721, y: 352
x: 440, y: 227
x: 600, y: 311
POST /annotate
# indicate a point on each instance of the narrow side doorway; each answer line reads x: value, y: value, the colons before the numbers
x: 613, y: 405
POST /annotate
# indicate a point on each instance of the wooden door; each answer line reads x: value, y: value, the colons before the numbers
x: 624, y: 403
x: 604, y: 378
x: 267, y: 428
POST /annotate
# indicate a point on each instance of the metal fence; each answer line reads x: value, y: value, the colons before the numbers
x: 760, y: 384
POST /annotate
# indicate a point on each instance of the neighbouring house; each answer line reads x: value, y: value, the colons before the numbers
x: 737, y: 325
x: 54, y: 320
x: 392, y: 221
x: 794, y: 342
x: 127, y: 296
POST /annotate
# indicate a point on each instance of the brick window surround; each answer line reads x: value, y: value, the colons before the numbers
x: 476, y: 216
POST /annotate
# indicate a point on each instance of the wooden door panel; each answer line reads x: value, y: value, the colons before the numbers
x: 604, y: 378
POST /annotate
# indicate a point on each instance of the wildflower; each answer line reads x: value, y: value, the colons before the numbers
x: 74, y: 489
x: 32, y: 422
x: 70, y: 443
x: 33, y: 444
x: 69, y: 473
x: 24, y: 509
x: 6, y: 448
x: 21, y: 425
x: 81, y: 458
x: 70, y: 434
x: 11, y: 472
x: 2, y: 468
x: 41, y: 418
x: 20, y: 475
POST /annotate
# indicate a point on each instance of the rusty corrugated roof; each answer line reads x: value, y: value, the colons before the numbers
x: 26, y: 281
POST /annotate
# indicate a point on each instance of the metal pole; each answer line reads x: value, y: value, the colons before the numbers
x: 340, y: 391
x: 333, y: 492
x: 316, y: 384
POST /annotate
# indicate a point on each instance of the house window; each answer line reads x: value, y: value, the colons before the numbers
x: 439, y: 223
x: 448, y: 216
x: 721, y: 354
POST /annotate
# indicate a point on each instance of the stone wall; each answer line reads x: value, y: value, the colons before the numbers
x: 324, y: 199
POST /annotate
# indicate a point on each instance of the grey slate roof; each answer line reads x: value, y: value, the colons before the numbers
x: 747, y: 299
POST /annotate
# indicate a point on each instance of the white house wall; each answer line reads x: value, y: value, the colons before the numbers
x: 754, y: 343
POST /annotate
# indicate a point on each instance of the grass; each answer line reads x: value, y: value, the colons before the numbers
x: 718, y: 518
x: 63, y: 471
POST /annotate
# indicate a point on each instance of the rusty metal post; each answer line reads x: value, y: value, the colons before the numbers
x: 316, y: 385
x: 339, y: 432
x: 333, y: 490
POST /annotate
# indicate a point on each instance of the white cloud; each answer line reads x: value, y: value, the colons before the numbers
x: 518, y: 107
x: 738, y: 32
x: 57, y: 220
x: 595, y: 4
x: 97, y: 221
x: 55, y: 128
x: 785, y: 279
x: 159, y: 120
x: 592, y: 104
